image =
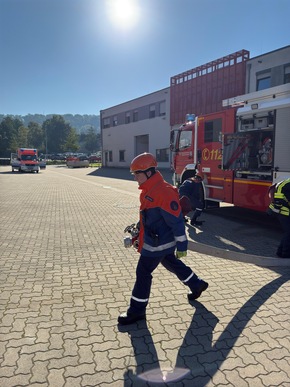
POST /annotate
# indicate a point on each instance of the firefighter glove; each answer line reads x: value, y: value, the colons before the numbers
x: 180, y: 254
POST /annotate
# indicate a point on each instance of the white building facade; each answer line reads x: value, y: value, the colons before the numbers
x: 268, y: 70
x: 137, y: 126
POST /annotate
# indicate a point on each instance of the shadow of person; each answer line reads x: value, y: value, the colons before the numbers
x: 145, y: 354
x: 197, y: 343
x: 148, y: 370
x: 198, y: 359
x: 197, y: 352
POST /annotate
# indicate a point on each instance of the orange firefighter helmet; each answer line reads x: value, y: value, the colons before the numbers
x: 143, y: 162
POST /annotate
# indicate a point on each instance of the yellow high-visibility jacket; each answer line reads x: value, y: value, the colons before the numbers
x: 281, y: 200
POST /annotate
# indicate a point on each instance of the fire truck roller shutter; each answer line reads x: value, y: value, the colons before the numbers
x: 282, y: 140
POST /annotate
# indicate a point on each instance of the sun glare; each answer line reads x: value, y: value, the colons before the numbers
x: 123, y: 13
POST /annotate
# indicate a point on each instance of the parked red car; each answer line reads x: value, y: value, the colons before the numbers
x: 95, y: 159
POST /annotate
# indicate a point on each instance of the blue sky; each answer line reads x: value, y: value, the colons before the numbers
x: 82, y: 56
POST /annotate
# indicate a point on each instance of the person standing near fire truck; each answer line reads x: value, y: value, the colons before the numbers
x: 162, y: 231
x: 280, y: 206
x: 190, y: 190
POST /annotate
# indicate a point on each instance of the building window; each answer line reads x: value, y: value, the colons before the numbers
x: 212, y: 130
x: 106, y: 122
x: 110, y: 155
x: 287, y: 74
x: 263, y: 80
x: 263, y: 83
x: 162, y: 155
x: 152, y: 111
x: 128, y: 118
x: 121, y: 155
x: 115, y: 121
x: 162, y: 111
x: 135, y: 116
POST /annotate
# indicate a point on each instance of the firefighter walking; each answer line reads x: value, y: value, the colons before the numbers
x: 162, y: 237
x: 280, y: 206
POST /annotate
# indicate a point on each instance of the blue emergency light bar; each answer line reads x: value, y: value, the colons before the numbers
x: 190, y: 117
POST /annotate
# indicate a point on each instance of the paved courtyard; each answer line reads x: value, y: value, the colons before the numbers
x: 65, y: 277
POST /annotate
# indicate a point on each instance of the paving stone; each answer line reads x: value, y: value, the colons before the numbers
x: 65, y: 277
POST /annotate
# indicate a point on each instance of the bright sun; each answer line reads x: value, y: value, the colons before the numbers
x: 123, y: 13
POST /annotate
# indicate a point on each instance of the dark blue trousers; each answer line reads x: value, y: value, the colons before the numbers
x: 284, y: 246
x: 146, y: 266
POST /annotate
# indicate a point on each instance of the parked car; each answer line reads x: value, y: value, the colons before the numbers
x: 77, y: 162
x: 58, y: 157
x: 42, y: 163
x: 95, y: 158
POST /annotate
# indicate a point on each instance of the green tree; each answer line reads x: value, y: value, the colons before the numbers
x: 71, y: 144
x: 56, y: 131
x: 22, y: 138
x: 9, y: 135
x: 36, y: 136
x: 92, y: 140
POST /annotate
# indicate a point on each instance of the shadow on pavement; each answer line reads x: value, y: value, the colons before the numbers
x: 198, y: 360
x: 238, y: 230
x: 112, y: 173
x: 124, y: 173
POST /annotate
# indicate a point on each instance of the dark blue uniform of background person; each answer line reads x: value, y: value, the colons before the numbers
x: 191, y: 189
x: 280, y: 206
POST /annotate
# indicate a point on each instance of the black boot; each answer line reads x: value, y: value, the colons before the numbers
x: 195, y: 293
x: 195, y: 222
x: 129, y: 318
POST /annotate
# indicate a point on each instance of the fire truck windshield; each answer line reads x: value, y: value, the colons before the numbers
x: 185, y: 139
x: 28, y: 157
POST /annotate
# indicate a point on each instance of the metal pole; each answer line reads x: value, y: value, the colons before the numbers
x: 45, y: 144
x: 195, y: 141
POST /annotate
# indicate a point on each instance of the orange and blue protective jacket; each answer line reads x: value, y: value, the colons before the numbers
x: 162, y: 227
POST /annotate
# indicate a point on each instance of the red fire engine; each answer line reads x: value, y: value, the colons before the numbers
x: 240, y: 152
